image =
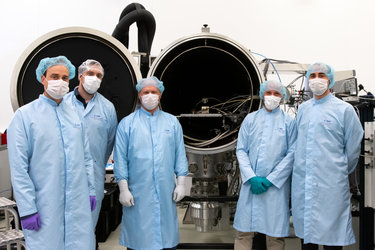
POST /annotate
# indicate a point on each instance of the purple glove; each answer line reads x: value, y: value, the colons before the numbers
x: 92, y: 202
x: 31, y: 222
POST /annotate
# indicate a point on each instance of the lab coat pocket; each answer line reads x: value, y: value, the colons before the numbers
x: 167, y: 138
x: 97, y: 120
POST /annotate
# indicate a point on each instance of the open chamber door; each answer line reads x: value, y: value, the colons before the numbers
x: 211, y: 84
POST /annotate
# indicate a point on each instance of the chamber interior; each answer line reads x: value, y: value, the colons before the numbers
x: 210, y: 86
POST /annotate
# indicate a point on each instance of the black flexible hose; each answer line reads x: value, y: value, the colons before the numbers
x: 131, y: 7
x: 146, y: 27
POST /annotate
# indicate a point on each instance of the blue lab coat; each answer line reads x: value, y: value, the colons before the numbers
x: 327, y: 151
x: 264, y: 148
x: 100, y: 123
x: 52, y: 174
x: 149, y: 151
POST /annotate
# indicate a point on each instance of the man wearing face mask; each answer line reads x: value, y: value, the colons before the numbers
x: 327, y: 150
x: 265, y: 157
x: 51, y: 167
x: 99, y: 118
x: 149, y: 152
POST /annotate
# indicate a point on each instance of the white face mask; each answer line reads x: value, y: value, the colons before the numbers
x: 150, y: 101
x: 318, y: 85
x: 57, y: 88
x: 271, y: 102
x: 91, y: 84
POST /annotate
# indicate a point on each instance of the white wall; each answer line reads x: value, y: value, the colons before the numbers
x: 338, y: 32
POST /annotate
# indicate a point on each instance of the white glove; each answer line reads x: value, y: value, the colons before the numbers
x: 126, y: 198
x: 180, y: 190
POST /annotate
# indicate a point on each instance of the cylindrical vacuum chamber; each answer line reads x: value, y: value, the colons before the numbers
x: 211, y: 84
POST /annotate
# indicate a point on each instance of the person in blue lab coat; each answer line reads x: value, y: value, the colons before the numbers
x: 149, y: 152
x: 51, y: 168
x: 327, y: 150
x: 100, y: 121
x: 265, y: 156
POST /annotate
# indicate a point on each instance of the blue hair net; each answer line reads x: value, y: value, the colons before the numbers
x: 150, y: 81
x: 324, y: 68
x: 47, y: 62
x: 272, y: 85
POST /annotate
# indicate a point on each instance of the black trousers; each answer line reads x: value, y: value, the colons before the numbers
x: 311, y: 246
x: 173, y: 248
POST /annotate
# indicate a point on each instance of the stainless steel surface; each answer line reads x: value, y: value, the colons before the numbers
x: 369, y: 144
x: 4, y: 202
x: 205, y: 215
x: 212, y: 173
x: 10, y: 235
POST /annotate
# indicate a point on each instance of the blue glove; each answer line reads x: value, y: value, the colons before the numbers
x: 256, y: 185
x: 31, y: 222
x: 266, y: 183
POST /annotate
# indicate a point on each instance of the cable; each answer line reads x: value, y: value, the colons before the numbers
x: 269, y: 62
x: 237, y: 104
x: 230, y: 100
x: 298, y: 77
x: 356, y: 183
x: 207, y: 142
x: 357, y: 111
x: 366, y: 98
x: 193, y: 139
x: 251, y: 99
x: 283, y: 61
x: 212, y: 140
x: 219, y: 110
x: 368, y: 156
x: 300, y: 87
x: 208, y: 98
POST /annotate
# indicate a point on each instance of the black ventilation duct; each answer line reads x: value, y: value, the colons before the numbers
x: 136, y: 13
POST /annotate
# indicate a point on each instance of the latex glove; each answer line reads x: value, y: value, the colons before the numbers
x: 256, y: 185
x: 31, y: 222
x: 92, y: 202
x: 126, y: 198
x: 266, y: 183
x: 180, y: 189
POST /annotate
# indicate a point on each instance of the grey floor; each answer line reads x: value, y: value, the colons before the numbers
x: 188, y: 234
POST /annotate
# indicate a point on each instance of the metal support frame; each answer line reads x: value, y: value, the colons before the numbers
x: 299, y: 68
x: 11, y: 236
x: 366, y: 214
